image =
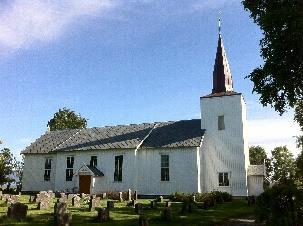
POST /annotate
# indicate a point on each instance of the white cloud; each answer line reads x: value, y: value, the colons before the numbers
x: 24, y: 22
x: 273, y: 132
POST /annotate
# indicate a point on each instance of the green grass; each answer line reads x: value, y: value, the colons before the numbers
x: 123, y: 215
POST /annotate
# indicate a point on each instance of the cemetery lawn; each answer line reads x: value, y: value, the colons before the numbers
x: 124, y: 215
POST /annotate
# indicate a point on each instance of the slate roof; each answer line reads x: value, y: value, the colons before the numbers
x: 256, y: 170
x: 185, y: 133
x: 95, y: 171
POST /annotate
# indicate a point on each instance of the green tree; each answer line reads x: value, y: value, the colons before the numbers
x: 280, y: 80
x: 257, y: 155
x: 66, y: 119
x: 283, y: 164
x: 7, y: 166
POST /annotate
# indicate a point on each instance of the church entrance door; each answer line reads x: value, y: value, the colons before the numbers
x: 84, y: 183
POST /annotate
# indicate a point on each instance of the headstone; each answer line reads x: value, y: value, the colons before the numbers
x: 63, y: 198
x: 70, y: 198
x: 167, y: 214
x: 60, y: 208
x: 1, y: 195
x: 153, y: 204
x: 92, y: 204
x: 187, y: 207
x: 194, y: 198
x: 76, y: 201
x: 97, y: 201
x: 31, y: 199
x: 129, y: 195
x: 82, y: 195
x: 103, y: 195
x: 64, y: 219
x: 110, y: 205
x: 138, y: 208
x: 135, y: 195
x: 103, y: 215
x: 143, y: 221
x: 43, y: 205
x: 167, y: 204
x: 120, y: 196
x: 160, y: 199
x: 17, y: 211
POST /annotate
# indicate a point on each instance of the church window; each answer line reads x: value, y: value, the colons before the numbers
x: 47, y: 169
x: 223, y: 179
x: 69, y: 168
x: 118, y: 168
x: 164, y: 167
x: 221, y: 124
x: 93, y: 161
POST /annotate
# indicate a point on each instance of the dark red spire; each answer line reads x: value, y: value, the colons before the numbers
x: 222, y: 80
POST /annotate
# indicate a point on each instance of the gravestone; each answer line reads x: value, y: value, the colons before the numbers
x: 64, y: 219
x: 153, y: 204
x: 103, y: 215
x: 187, y: 207
x: 193, y: 198
x: 17, y: 211
x: 129, y: 195
x: 76, y: 201
x: 167, y: 204
x: 120, y: 196
x: 160, y: 199
x: 110, y: 205
x: 43, y: 204
x: 135, y: 195
x: 1, y: 195
x: 143, y: 221
x: 31, y: 199
x: 60, y: 208
x: 138, y: 208
x: 166, y: 214
x: 92, y: 204
x: 97, y: 201
x: 103, y: 195
x: 63, y: 198
x: 70, y: 198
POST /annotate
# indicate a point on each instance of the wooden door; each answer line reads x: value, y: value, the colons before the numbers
x: 84, y: 183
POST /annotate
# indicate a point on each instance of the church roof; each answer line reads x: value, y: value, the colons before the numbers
x: 184, y: 133
x: 256, y: 170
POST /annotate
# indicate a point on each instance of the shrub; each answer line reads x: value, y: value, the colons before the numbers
x: 280, y: 205
x: 180, y: 197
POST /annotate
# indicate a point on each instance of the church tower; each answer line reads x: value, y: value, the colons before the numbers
x: 224, y: 153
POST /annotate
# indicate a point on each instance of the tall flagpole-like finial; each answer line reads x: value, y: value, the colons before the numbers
x: 219, y: 23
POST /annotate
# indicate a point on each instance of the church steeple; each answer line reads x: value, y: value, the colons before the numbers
x: 222, y: 79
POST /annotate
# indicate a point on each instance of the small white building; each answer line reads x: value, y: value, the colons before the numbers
x: 199, y: 155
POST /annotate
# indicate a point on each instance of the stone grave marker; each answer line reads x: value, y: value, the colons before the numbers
x: 143, y: 221
x: 135, y: 195
x: 63, y: 198
x: 76, y: 201
x: 1, y: 195
x: 103, y: 215
x: 166, y: 214
x: 97, y: 201
x: 120, y: 196
x: 104, y: 195
x: 160, y: 199
x: 153, y: 204
x: 110, y: 205
x: 129, y: 195
x: 17, y: 211
x: 92, y: 204
x: 138, y: 208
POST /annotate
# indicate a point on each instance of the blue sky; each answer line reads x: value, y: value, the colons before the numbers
x: 124, y: 61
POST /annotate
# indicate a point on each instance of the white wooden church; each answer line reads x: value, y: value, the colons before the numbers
x: 198, y: 155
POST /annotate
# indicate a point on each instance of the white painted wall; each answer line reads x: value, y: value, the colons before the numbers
x: 224, y: 150
x: 144, y: 176
x: 255, y: 184
x: 183, y: 171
